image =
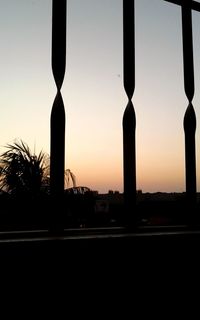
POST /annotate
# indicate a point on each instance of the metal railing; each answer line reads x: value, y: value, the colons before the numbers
x: 129, y: 118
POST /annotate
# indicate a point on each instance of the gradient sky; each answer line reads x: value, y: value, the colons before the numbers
x: 93, y: 88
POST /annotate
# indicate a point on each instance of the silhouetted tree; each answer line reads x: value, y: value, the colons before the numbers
x: 22, y: 172
x: 70, y: 176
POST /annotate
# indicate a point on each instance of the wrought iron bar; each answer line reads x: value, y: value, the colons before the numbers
x: 189, y: 122
x: 189, y: 118
x: 57, y: 148
x: 58, y: 112
x: 129, y: 118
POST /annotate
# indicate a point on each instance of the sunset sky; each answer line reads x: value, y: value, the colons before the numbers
x: 93, y: 91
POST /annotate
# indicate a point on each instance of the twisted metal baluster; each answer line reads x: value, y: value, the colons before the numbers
x: 58, y: 113
x: 189, y: 118
x: 129, y: 119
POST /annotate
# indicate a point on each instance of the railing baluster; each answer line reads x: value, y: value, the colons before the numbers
x: 57, y: 152
x: 189, y: 122
x: 129, y: 120
x: 189, y: 118
x: 58, y: 112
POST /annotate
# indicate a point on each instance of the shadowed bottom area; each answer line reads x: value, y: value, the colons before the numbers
x: 109, y: 248
x: 105, y: 268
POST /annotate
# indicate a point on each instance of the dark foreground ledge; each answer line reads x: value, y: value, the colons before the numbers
x: 103, y: 244
x: 145, y: 261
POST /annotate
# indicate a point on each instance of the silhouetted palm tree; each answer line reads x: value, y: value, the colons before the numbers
x: 21, y: 171
x: 70, y: 176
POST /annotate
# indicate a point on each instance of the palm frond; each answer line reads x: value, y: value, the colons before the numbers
x: 20, y: 170
x: 70, y: 176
